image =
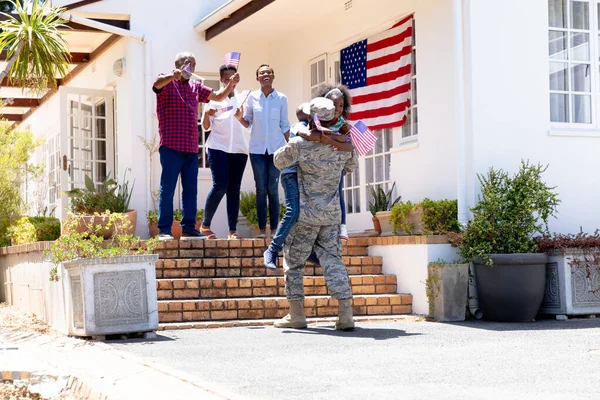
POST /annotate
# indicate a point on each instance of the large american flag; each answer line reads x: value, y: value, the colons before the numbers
x: 377, y: 71
x: 232, y: 58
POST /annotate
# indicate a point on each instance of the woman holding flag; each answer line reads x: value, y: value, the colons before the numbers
x: 227, y: 154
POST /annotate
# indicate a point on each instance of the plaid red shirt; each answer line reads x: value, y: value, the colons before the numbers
x: 177, y: 111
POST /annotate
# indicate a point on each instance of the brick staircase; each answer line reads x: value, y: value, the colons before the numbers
x: 214, y: 283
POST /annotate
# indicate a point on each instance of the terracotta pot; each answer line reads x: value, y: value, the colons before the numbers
x: 376, y: 225
x: 86, y: 220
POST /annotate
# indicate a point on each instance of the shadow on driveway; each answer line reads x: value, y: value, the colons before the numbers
x: 538, y: 325
x: 368, y: 333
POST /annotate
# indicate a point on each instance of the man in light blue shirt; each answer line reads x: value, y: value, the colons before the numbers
x: 266, y: 114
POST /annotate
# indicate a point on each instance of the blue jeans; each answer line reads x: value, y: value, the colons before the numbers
x: 266, y: 179
x: 227, y: 170
x: 173, y: 164
x: 289, y: 182
x: 342, y: 201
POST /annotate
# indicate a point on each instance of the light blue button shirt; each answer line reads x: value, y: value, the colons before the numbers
x: 268, y: 118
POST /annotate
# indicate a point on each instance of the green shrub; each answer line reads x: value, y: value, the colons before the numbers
x: 248, y: 208
x: 439, y: 216
x: 152, y: 215
x: 399, y: 216
x: 34, y: 229
x: 510, y: 212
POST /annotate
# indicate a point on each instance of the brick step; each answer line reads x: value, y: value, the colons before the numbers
x: 168, y: 326
x: 253, y: 267
x: 277, y: 307
x: 222, y: 248
x: 212, y: 288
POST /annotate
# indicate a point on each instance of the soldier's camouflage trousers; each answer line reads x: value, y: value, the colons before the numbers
x: 328, y: 248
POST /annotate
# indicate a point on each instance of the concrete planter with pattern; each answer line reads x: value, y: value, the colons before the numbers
x: 115, y: 295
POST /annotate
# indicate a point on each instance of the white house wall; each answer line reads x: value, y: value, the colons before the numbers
x: 510, y: 92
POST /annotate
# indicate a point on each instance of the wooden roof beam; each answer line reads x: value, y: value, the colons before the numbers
x: 235, y: 18
x: 6, y: 83
x: 75, y: 27
x: 12, y: 117
x: 80, y: 4
x: 20, y: 102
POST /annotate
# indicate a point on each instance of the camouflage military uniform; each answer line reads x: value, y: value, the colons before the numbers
x: 319, y: 170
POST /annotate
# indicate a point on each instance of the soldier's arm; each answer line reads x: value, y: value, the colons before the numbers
x: 287, y: 155
x: 351, y: 163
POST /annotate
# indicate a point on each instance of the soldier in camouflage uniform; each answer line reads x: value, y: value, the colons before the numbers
x: 318, y: 226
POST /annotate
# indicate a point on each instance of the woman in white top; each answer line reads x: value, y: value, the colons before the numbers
x: 227, y: 156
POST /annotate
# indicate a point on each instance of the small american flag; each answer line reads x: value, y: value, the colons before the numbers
x: 362, y: 138
x: 232, y: 58
x: 224, y: 109
x: 318, y: 123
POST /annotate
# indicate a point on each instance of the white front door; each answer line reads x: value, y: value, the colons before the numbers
x: 86, y: 139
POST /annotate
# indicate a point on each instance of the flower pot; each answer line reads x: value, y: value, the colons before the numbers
x: 87, y: 220
x: 512, y: 289
x: 384, y: 221
x: 447, y: 295
x: 572, y: 289
x: 376, y: 225
x: 112, y: 295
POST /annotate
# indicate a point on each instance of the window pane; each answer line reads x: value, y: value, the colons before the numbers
x: 557, y: 45
x: 349, y: 203
x: 557, y: 13
x: 321, y: 71
x: 313, y: 74
x: 559, y: 107
x: 415, y: 121
x: 379, y: 169
x: 414, y: 62
x: 406, y: 128
x: 379, y: 142
x: 580, y: 46
x: 581, y: 78
x: 348, y: 180
x: 413, y: 100
x: 580, y: 15
x: 582, y: 109
x: 356, y: 200
x: 369, y: 165
x: 356, y: 176
x: 388, y: 139
x: 387, y: 166
x: 558, y: 76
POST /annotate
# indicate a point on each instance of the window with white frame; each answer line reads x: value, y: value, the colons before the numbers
x: 377, y: 162
x: 214, y: 83
x: 573, y: 39
x: 318, y: 68
x: 410, y: 127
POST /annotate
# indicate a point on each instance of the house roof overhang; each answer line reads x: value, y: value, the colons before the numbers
x: 87, y: 39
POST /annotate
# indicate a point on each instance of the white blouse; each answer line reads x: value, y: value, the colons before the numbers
x: 227, y: 133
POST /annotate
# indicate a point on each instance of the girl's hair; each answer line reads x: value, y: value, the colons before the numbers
x: 324, y: 88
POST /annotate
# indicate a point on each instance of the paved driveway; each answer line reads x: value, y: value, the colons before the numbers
x: 390, y: 360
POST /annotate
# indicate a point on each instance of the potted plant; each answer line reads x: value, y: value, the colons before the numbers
x: 250, y: 217
x: 34, y: 229
x: 380, y: 208
x: 110, y: 286
x: 447, y: 290
x: 152, y: 218
x: 428, y: 217
x: 572, y: 274
x: 499, y: 240
x: 91, y: 201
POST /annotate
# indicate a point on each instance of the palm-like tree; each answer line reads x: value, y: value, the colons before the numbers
x: 35, y: 48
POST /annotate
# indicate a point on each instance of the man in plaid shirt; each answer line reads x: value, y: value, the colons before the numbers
x: 177, y: 99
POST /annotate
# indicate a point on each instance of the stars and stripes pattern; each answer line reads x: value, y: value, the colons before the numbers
x: 377, y: 71
x: 362, y: 138
x: 232, y: 58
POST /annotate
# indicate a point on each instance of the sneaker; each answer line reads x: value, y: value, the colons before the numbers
x: 165, y: 236
x: 261, y: 235
x: 313, y: 258
x: 270, y: 259
x: 343, y: 232
x: 192, y: 235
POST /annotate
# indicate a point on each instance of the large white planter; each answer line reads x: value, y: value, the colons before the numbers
x: 384, y: 221
x: 115, y: 295
x: 569, y: 290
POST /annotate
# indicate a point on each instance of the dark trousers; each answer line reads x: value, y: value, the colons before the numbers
x: 266, y: 179
x: 227, y: 170
x: 175, y: 163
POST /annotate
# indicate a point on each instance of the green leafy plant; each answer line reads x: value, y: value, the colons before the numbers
x: 382, y: 201
x: 248, y: 208
x: 440, y: 216
x: 510, y: 212
x: 399, y: 217
x: 152, y: 215
x: 74, y: 244
x: 34, y: 229
x: 109, y: 195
